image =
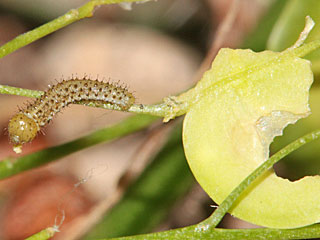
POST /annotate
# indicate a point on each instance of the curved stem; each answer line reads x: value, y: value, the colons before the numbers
x: 216, y: 217
x: 71, y: 16
x: 11, y: 166
x: 232, y: 234
x: 207, y: 229
x: 168, y: 110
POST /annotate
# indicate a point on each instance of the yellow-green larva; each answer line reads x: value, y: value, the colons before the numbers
x: 24, y: 126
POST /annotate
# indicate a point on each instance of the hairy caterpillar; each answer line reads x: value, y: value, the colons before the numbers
x: 25, y: 125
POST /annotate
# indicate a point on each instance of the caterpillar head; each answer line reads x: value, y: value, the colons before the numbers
x: 21, y: 129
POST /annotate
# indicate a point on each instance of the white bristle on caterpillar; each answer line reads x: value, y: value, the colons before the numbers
x: 25, y: 125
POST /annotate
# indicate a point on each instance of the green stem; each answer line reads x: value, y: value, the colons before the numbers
x: 159, y: 110
x: 216, y: 217
x: 207, y: 229
x: 12, y: 166
x: 232, y: 234
x: 44, y: 234
x: 4, y: 89
x: 73, y: 15
x: 304, y: 49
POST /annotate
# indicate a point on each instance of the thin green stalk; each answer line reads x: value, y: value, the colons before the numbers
x: 4, y: 89
x: 304, y: 49
x: 207, y: 229
x: 44, y: 234
x: 216, y: 217
x: 71, y: 16
x: 159, y: 110
x: 308, y: 232
x: 12, y: 166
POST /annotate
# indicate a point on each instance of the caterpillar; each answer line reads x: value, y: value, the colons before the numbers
x: 26, y: 124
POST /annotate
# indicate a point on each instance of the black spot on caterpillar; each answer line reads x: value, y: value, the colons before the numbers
x: 24, y: 126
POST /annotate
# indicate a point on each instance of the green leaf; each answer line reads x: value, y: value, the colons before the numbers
x: 207, y: 229
x: 235, y: 111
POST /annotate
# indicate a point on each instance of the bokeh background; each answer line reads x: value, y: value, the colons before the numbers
x: 156, y: 49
